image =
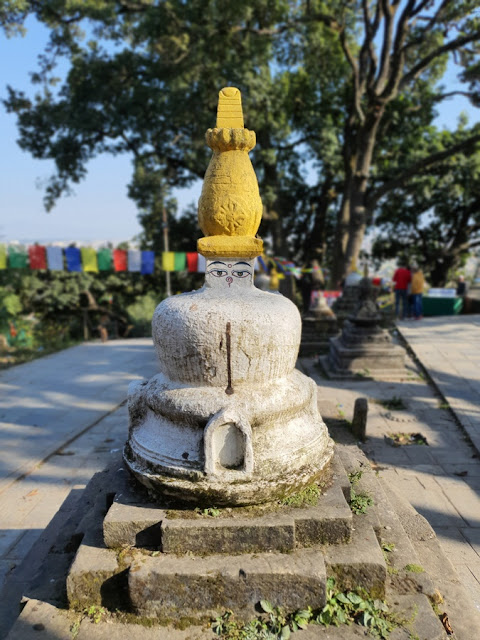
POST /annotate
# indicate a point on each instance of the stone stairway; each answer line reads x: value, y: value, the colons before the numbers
x: 156, y: 561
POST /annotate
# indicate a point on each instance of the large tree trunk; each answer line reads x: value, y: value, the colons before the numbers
x: 353, y: 215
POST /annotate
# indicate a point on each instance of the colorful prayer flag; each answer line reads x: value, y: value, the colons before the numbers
x: 104, y: 258
x: 3, y: 257
x: 168, y: 261
x: 17, y: 258
x: 89, y: 259
x: 37, y: 257
x: 262, y: 264
x: 134, y: 260
x: 192, y: 261
x: 180, y: 261
x: 55, y: 258
x: 73, y: 258
x: 148, y: 262
x: 120, y: 259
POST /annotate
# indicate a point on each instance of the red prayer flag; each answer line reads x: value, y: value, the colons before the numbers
x: 37, y: 257
x: 120, y: 259
x: 192, y: 262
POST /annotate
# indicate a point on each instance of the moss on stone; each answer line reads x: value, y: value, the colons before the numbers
x: 414, y: 568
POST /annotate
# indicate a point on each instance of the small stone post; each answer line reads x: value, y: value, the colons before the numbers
x: 359, y: 422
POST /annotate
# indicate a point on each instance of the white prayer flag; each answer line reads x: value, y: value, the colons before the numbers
x: 134, y: 260
x: 55, y: 258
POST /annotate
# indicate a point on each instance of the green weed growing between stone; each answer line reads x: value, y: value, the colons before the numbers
x: 273, y: 625
x: 357, y: 607
x: 351, y: 607
x: 359, y: 502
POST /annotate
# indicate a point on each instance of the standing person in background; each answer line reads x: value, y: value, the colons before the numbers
x: 461, y: 286
x: 416, y: 288
x: 401, y: 278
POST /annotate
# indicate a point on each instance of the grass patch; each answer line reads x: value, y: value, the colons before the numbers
x: 395, y: 403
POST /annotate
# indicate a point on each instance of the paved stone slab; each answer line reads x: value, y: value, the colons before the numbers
x: 50, y: 401
x: 160, y: 586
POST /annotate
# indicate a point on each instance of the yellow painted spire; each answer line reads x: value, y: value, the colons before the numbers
x: 229, y: 111
x: 230, y: 207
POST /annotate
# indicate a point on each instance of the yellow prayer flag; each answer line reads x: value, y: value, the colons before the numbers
x: 3, y: 257
x: 89, y: 259
x: 168, y: 261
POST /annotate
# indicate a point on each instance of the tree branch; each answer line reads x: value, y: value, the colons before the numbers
x: 453, y: 45
x: 400, y: 180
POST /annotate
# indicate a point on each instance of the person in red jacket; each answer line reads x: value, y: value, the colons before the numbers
x: 402, y: 278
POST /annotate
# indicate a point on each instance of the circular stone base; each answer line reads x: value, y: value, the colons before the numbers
x: 201, y: 446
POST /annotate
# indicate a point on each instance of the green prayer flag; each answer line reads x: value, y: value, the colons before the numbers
x: 180, y: 261
x: 17, y: 258
x: 104, y: 257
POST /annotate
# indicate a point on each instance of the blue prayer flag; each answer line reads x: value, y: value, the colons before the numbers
x: 148, y: 263
x: 73, y: 257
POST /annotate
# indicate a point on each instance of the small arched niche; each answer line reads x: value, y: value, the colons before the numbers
x: 228, y: 446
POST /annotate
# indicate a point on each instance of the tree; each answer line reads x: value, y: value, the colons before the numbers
x: 436, y: 222
x: 397, y: 51
x: 329, y: 86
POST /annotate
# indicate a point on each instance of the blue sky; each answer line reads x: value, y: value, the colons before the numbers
x: 100, y: 209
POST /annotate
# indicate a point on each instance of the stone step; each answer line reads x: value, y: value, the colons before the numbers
x: 205, y: 587
x: 398, y: 550
x: 240, y: 530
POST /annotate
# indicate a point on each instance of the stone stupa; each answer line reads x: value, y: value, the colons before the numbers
x: 364, y: 348
x: 229, y: 420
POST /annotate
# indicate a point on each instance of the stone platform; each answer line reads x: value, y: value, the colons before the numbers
x: 316, y: 334
x: 163, y: 564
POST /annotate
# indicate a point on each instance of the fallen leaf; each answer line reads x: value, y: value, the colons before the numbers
x: 446, y: 624
x: 31, y: 493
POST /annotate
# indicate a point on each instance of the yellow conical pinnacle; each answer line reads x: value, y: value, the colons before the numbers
x: 230, y: 207
x: 229, y: 112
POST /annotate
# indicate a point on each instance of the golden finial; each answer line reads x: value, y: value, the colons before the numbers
x: 230, y: 207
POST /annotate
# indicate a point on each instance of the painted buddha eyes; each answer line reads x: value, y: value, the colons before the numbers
x: 217, y: 271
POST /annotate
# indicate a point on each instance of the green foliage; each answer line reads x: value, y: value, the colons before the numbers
x: 273, y: 625
x: 357, y: 607
x: 95, y: 613
x: 359, y: 502
x: 355, y: 476
x: 212, y: 512
x: 140, y: 314
x: 339, y: 125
